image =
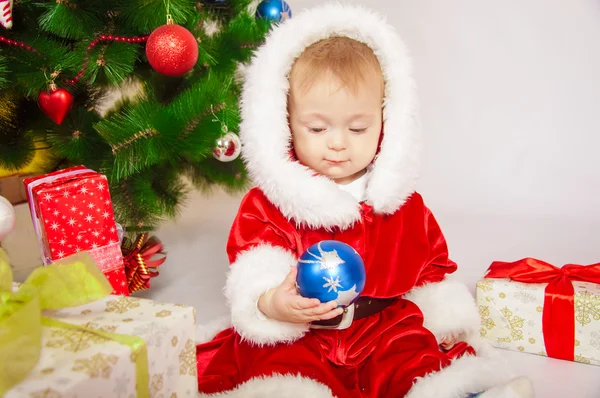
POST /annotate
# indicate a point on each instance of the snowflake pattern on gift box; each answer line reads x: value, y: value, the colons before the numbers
x: 515, y: 323
x: 587, y: 307
x: 46, y: 393
x: 122, y: 304
x: 485, y: 285
x: 525, y: 297
x: 487, y: 323
x: 156, y: 386
x: 187, y: 359
x: 73, y: 340
x: 78, y: 215
x: 99, y: 365
x: 121, y: 383
x: 582, y: 359
x: 163, y: 314
x: 153, y: 332
x: 595, y: 340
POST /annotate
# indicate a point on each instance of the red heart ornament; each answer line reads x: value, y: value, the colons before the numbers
x: 55, y: 103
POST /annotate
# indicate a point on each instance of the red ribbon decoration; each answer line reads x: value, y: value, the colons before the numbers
x: 139, y: 265
x: 558, y: 318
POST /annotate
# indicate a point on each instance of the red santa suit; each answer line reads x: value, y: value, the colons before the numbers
x: 393, y: 352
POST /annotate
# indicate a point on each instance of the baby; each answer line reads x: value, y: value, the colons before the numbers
x: 330, y: 134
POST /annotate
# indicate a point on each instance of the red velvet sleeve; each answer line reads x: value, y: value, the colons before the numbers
x: 259, y: 222
x: 438, y: 264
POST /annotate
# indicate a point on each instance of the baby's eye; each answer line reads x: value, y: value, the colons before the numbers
x: 316, y: 129
x: 359, y: 130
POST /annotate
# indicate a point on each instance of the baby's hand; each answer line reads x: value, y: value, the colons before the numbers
x: 449, y: 341
x: 284, y: 304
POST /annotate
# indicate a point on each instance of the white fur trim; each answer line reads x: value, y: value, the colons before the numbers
x: 207, y: 331
x: 468, y: 374
x: 448, y: 307
x: 279, y: 386
x: 253, y: 273
x: 300, y: 195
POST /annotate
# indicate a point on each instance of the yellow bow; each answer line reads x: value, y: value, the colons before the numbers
x: 70, y: 282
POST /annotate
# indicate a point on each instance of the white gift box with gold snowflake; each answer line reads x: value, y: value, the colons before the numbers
x: 511, y: 316
x: 78, y: 364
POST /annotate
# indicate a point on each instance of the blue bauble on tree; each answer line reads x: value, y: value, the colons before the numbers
x: 331, y: 270
x: 274, y: 10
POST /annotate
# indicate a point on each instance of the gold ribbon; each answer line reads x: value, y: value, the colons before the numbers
x: 70, y: 282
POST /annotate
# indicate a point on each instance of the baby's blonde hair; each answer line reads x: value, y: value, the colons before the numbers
x: 351, y: 61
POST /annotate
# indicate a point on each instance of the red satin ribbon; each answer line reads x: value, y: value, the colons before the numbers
x: 558, y: 318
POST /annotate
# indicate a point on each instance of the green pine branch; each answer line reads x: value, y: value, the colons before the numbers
x: 148, y: 145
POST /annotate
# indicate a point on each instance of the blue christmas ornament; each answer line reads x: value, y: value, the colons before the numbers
x: 274, y: 10
x: 331, y: 270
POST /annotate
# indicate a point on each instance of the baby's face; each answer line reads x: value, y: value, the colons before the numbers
x: 336, y: 132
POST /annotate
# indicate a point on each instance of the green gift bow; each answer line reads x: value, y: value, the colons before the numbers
x: 73, y: 281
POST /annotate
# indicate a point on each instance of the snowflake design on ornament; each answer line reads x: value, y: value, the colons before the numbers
x: 47, y: 197
x: 55, y: 226
x: 71, y: 221
x: 73, y: 209
x: 55, y: 213
x: 63, y: 241
x: 90, y: 205
x: 332, y: 284
x: 61, y: 254
x: 328, y: 260
x: 105, y: 215
x: 96, y: 234
x: 89, y: 218
x: 83, y: 190
x: 100, y: 186
x: 66, y: 194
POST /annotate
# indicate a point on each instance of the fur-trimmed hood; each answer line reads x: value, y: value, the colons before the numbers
x: 316, y: 201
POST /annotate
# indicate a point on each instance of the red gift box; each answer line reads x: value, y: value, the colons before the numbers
x: 72, y: 211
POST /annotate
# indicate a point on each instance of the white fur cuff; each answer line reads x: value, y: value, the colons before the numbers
x: 468, y: 374
x: 253, y: 273
x: 448, y: 307
x: 280, y: 386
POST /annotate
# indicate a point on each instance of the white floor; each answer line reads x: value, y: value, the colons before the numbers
x: 194, y: 273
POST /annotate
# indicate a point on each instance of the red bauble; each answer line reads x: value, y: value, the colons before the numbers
x: 56, y: 103
x: 172, y: 50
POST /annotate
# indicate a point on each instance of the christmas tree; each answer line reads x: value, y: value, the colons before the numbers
x: 60, y: 62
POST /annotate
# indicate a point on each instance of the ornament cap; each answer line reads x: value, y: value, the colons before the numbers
x: 52, y: 87
x: 169, y: 19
